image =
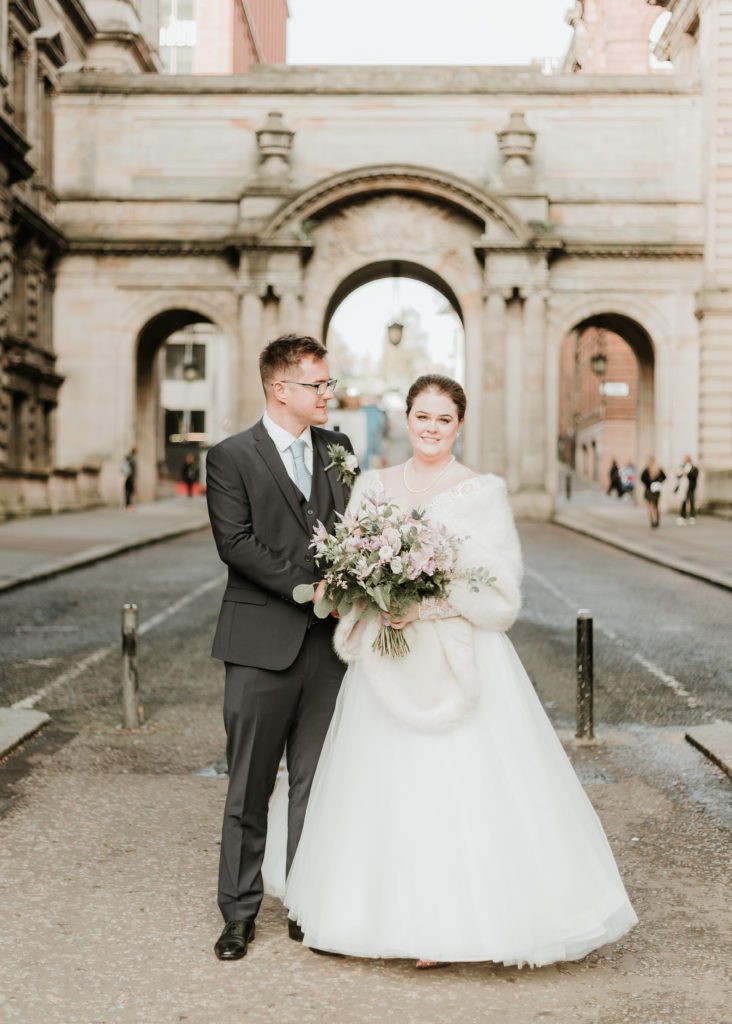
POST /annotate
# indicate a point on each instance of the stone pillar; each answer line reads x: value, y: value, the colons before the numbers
x: 514, y: 417
x: 493, y: 408
x: 290, y: 311
x: 249, y: 400
x: 533, y: 448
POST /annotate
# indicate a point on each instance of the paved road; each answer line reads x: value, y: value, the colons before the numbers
x: 661, y: 647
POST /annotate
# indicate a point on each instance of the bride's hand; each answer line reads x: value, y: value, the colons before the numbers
x: 319, y: 591
x: 400, y: 621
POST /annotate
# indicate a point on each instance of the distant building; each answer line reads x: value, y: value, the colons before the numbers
x: 221, y: 37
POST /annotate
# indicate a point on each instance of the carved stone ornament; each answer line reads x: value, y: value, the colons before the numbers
x: 274, y: 142
x: 516, y: 143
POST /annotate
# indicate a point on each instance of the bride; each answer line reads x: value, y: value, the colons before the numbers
x: 445, y: 822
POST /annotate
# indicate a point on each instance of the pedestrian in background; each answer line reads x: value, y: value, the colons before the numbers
x: 189, y: 473
x: 129, y: 471
x: 686, y: 477
x: 616, y: 483
x: 652, y: 478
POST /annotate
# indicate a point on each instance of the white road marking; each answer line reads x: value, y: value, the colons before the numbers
x: 655, y: 670
x: 102, y: 652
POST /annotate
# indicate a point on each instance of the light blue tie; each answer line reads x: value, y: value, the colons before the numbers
x: 303, y: 478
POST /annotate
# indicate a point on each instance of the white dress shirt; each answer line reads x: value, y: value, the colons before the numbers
x: 282, y: 441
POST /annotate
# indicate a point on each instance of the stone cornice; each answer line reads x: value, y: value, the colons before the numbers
x: 77, y: 14
x: 39, y: 224
x: 227, y: 247
x: 25, y: 11
x: 139, y: 46
x: 390, y: 80
x: 633, y: 250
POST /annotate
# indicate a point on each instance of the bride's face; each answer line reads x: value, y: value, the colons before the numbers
x: 433, y: 425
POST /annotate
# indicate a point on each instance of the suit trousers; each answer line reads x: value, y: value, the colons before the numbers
x: 266, y: 713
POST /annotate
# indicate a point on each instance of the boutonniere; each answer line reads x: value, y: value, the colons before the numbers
x: 345, y: 462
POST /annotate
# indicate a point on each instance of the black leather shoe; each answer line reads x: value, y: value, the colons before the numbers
x: 294, y: 930
x: 234, y: 939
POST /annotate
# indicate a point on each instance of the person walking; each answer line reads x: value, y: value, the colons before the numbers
x: 266, y: 488
x: 129, y: 472
x: 616, y: 483
x: 686, y: 477
x: 189, y: 473
x: 652, y: 478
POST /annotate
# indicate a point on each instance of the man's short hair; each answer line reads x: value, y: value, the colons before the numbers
x: 281, y: 356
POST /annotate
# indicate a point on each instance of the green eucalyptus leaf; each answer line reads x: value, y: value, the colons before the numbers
x: 303, y: 593
x: 324, y: 607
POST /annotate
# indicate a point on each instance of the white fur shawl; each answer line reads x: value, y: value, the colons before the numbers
x: 436, y: 684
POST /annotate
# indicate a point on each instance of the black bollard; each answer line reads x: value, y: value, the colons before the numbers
x: 585, y: 680
x: 131, y: 707
x: 568, y: 486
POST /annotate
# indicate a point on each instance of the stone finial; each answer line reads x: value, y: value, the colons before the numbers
x: 516, y: 143
x: 274, y: 142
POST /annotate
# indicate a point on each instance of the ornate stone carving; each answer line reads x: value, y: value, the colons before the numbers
x: 274, y: 142
x: 516, y: 143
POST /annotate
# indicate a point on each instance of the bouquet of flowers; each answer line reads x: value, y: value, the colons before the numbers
x: 384, y: 559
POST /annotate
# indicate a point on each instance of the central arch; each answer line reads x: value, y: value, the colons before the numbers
x: 494, y: 217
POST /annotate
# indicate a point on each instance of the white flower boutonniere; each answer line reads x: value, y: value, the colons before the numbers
x: 345, y: 462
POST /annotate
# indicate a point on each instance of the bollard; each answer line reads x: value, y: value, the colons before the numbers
x: 568, y: 486
x: 131, y: 707
x: 585, y: 681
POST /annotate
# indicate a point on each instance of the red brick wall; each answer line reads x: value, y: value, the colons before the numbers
x: 608, y: 420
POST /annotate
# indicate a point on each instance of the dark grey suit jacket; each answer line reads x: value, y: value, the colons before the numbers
x: 262, y: 534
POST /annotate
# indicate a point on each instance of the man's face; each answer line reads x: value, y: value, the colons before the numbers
x: 303, y: 402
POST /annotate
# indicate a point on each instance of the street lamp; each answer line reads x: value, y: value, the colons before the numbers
x: 395, y: 331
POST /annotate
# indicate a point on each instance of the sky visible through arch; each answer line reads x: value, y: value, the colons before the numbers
x: 426, y: 31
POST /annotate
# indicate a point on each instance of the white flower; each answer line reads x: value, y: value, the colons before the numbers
x: 397, y: 566
x: 351, y: 462
x: 385, y: 553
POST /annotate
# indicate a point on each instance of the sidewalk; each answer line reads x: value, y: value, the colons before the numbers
x: 703, y: 550
x: 108, y: 863
x: 41, y: 546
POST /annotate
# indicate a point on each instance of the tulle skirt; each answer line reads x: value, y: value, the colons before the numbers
x: 474, y: 843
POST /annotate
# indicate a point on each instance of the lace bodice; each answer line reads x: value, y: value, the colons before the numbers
x: 371, y: 482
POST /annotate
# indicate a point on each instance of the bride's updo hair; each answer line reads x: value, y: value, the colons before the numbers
x: 443, y: 386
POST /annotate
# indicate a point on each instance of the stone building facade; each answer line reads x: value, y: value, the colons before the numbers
x: 538, y: 205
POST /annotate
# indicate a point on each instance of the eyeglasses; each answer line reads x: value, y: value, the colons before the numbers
x: 320, y: 389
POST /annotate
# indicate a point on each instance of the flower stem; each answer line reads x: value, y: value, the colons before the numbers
x: 390, y: 642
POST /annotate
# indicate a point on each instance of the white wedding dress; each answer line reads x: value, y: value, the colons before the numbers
x: 445, y: 821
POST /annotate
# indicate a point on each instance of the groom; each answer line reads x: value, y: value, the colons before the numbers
x: 266, y: 489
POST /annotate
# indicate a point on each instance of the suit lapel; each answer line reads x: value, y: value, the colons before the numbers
x: 268, y: 452
x: 331, y: 475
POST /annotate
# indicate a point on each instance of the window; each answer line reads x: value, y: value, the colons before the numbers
x: 20, y: 64
x: 16, y: 440
x: 177, y: 36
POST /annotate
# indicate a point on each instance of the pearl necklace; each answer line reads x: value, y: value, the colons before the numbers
x: 421, y: 490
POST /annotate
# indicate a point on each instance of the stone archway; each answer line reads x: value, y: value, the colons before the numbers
x: 638, y: 339
x: 360, y: 224
x: 147, y: 390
